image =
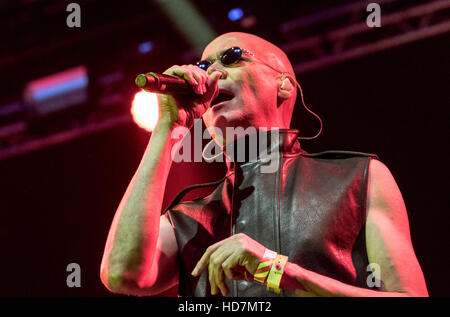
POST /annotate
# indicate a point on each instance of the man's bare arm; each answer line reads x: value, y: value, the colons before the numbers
x: 388, y: 245
x: 141, y: 250
x: 131, y: 247
x: 388, y: 235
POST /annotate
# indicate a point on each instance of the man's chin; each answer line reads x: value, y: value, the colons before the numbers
x: 224, y: 121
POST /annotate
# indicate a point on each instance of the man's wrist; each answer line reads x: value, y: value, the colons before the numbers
x: 167, y: 121
x: 275, y: 274
x: 263, y: 269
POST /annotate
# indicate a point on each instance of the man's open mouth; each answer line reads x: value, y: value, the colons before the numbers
x: 224, y: 95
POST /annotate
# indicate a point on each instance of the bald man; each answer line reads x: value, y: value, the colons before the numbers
x: 324, y: 224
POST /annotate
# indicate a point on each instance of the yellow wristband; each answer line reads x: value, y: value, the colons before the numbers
x: 264, y: 267
x: 262, y: 271
x: 275, y: 274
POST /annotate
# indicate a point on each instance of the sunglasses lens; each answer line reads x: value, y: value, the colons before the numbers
x: 203, y: 64
x: 231, y: 55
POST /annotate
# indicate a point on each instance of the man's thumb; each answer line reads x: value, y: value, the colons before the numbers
x: 213, y: 83
x: 216, y: 76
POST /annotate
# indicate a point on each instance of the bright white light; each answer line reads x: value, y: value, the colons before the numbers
x: 144, y: 110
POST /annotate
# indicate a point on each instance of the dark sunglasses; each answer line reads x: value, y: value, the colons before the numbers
x: 229, y: 57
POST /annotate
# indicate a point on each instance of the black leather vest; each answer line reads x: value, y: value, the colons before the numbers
x: 312, y: 209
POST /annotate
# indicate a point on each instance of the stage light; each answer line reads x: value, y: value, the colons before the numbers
x: 145, y: 47
x: 235, y: 14
x: 145, y: 110
x: 189, y: 21
x: 57, y: 92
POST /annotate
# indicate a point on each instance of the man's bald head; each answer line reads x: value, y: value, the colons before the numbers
x: 263, y: 49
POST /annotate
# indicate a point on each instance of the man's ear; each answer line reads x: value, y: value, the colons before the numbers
x: 286, y: 88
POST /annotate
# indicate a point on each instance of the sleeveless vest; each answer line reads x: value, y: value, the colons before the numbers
x: 311, y: 209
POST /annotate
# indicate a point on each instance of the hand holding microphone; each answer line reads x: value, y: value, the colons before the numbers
x: 184, y: 92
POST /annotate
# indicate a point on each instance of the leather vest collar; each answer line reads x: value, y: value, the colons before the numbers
x: 251, y: 148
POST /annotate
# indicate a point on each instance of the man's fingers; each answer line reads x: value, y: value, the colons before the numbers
x: 214, y: 78
x: 213, y: 259
x: 212, y: 84
x: 216, y: 279
x: 227, y: 266
x: 190, y: 75
x: 184, y: 73
x: 216, y: 261
x: 204, y: 260
x: 200, y: 77
x: 220, y: 281
x: 201, y: 264
x: 199, y: 80
x: 212, y: 280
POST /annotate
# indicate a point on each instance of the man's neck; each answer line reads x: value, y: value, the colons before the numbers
x: 253, y: 147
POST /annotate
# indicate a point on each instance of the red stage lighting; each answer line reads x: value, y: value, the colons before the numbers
x: 144, y: 110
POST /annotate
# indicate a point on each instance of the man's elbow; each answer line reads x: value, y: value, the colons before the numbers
x: 112, y: 282
x: 412, y: 291
x: 126, y: 285
x: 419, y: 292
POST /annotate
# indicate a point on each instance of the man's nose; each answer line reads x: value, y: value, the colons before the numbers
x: 217, y: 66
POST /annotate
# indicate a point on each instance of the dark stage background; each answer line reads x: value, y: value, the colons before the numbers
x: 57, y: 203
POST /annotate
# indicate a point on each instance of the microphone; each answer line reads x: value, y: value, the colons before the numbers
x: 164, y: 84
